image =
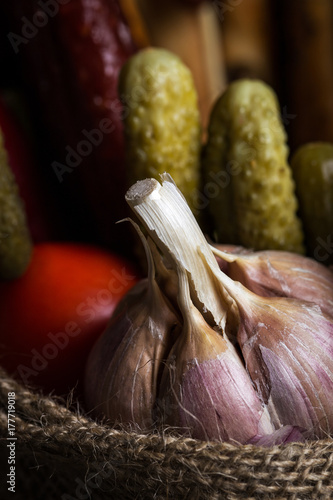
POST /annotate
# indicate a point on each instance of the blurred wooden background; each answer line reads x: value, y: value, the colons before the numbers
x: 286, y: 43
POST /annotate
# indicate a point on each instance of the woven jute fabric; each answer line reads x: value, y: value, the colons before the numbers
x: 63, y: 454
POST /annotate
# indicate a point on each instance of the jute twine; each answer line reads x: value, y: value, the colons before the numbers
x: 63, y: 454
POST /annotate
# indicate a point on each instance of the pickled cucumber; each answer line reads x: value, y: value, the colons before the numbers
x: 312, y: 166
x: 246, y: 177
x: 161, y: 119
x: 15, y: 241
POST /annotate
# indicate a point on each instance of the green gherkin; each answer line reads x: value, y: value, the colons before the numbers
x: 161, y: 119
x: 312, y: 166
x: 246, y: 176
x: 15, y: 241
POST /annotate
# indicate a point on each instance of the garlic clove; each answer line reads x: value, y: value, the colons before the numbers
x: 279, y: 273
x: 205, y: 389
x: 287, y: 347
x: 124, y: 366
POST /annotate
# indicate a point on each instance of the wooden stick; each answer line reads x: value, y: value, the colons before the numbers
x: 135, y: 22
x: 308, y: 71
x: 247, y: 38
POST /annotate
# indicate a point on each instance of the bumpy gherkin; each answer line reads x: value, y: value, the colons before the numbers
x: 312, y: 166
x: 161, y: 119
x: 15, y: 241
x: 246, y: 176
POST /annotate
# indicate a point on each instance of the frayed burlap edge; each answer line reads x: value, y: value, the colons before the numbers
x: 65, y: 455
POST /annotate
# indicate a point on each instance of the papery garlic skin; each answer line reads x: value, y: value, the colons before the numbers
x: 205, y: 389
x: 285, y: 434
x: 166, y: 277
x: 278, y: 273
x: 225, y: 407
x: 124, y: 366
x: 287, y: 346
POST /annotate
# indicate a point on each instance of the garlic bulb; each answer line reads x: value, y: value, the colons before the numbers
x: 205, y: 388
x: 286, y: 344
x: 278, y: 273
x: 124, y: 366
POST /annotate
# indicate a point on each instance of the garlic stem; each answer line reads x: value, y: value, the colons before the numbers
x: 169, y: 221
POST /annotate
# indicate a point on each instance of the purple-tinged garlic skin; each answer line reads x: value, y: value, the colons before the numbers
x: 276, y: 273
x: 205, y: 390
x: 287, y: 346
x: 124, y: 365
x: 217, y: 401
x: 284, y: 435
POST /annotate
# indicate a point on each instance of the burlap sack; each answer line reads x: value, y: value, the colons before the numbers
x: 62, y: 454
